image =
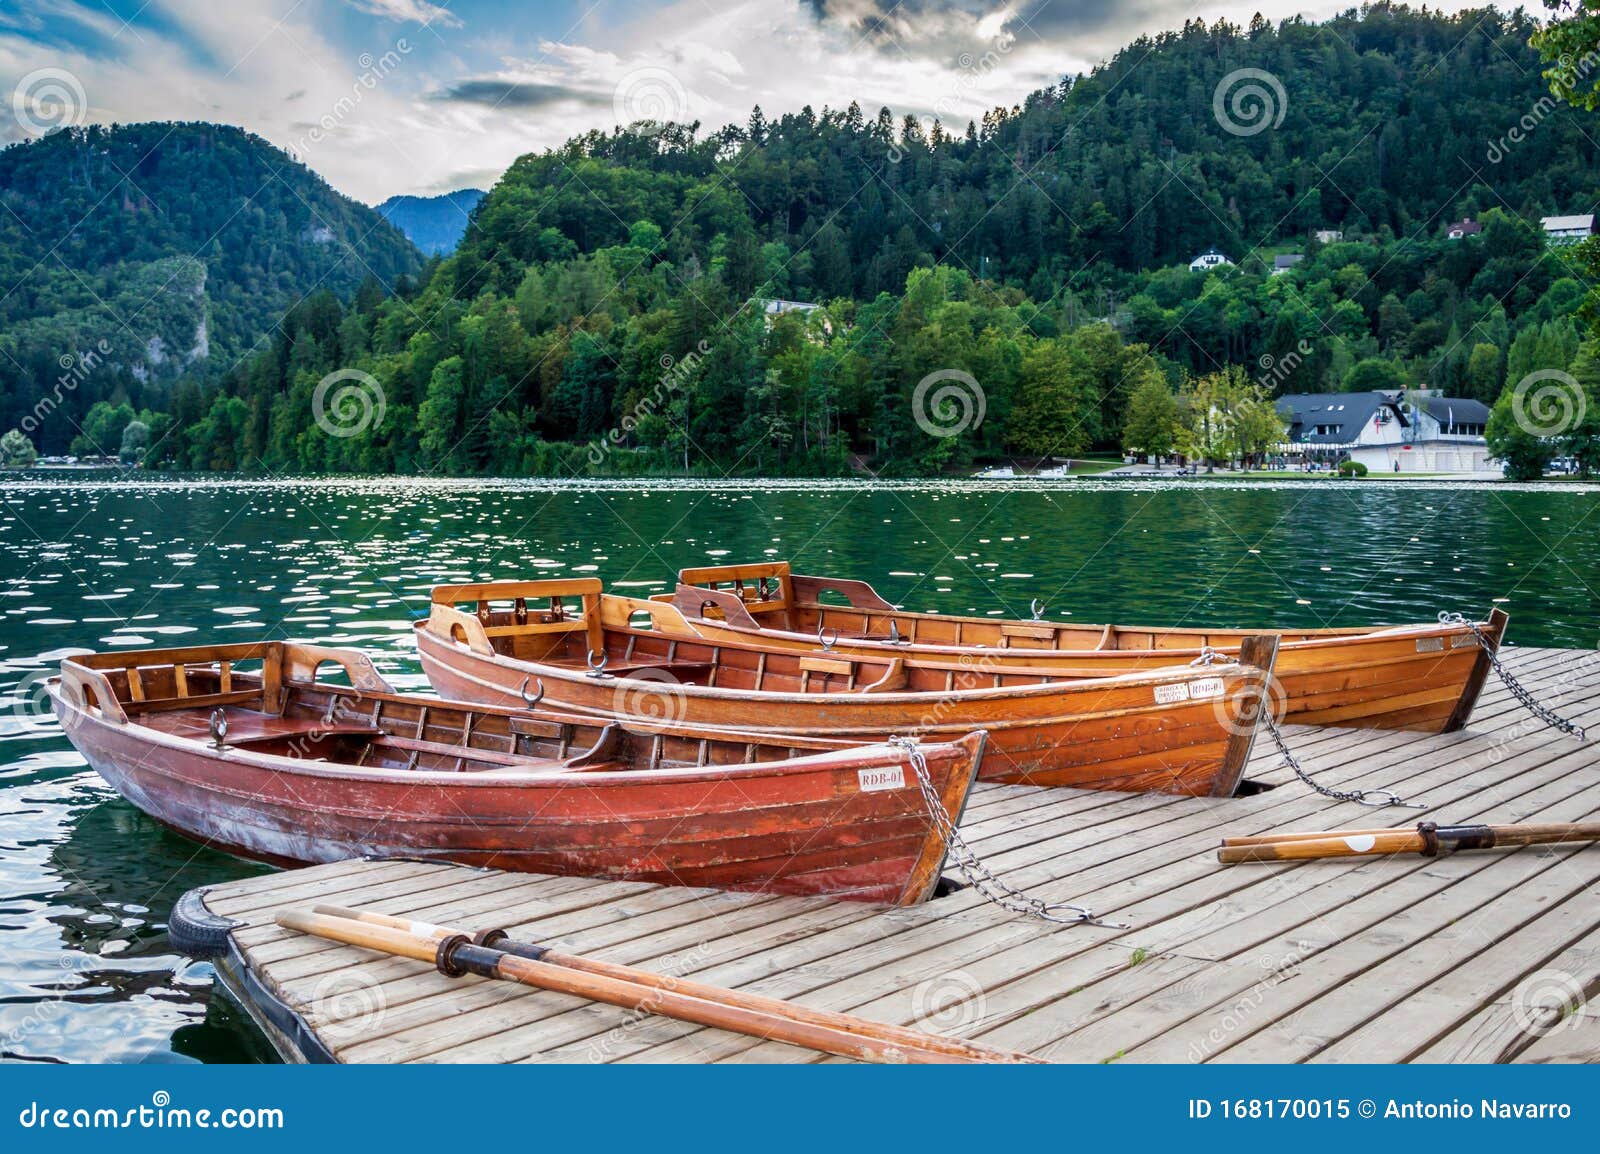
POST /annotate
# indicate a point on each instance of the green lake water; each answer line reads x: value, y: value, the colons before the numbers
x: 86, y: 882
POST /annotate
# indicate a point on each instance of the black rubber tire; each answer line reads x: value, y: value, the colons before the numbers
x: 197, y: 931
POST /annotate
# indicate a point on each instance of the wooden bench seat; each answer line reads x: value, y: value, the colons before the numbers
x: 250, y: 727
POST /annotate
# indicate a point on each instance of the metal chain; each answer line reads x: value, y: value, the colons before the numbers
x: 975, y: 873
x: 1521, y: 692
x: 1372, y: 797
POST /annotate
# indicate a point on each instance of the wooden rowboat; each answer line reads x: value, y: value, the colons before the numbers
x: 279, y: 766
x: 1421, y: 677
x: 1181, y: 730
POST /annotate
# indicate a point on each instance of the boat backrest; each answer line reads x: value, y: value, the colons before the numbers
x: 618, y: 612
x: 206, y: 676
x: 479, y: 629
x: 763, y: 588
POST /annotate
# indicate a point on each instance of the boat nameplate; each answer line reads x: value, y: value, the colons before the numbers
x: 881, y: 777
x: 1172, y: 693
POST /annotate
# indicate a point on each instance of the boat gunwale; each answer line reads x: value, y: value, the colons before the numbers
x: 848, y: 755
x: 1311, y: 638
x: 1060, y: 682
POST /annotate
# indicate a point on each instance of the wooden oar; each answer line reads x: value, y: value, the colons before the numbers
x: 456, y: 954
x: 1428, y: 839
x: 956, y: 1048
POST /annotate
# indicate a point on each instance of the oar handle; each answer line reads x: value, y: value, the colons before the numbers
x: 1329, y: 845
x: 1428, y: 838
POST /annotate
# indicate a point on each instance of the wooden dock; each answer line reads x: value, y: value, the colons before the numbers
x: 1453, y: 959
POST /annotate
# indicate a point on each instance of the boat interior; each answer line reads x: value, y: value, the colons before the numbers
x: 767, y: 595
x: 573, y: 626
x: 272, y: 698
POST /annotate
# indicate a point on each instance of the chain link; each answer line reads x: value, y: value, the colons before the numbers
x: 1521, y: 692
x: 1373, y: 797
x: 973, y: 871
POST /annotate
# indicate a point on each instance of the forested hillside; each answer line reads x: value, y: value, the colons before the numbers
x: 605, y: 311
x: 137, y: 255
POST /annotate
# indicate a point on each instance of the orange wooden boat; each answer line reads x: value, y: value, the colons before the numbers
x: 1181, y: 730
x: 281, y: 767
x: 1421, y: 677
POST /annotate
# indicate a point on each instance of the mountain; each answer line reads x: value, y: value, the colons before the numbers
x: 602, y: 311
x: 139, y: 254
x: 434, y: 223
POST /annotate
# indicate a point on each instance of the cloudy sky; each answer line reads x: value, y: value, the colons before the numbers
x: 423, y: 96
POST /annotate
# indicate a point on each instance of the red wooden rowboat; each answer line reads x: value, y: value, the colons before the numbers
x: 1421, y: 677
x: 281, y: 767
x: 1181, y: 730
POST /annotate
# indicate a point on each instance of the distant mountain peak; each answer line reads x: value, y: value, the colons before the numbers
x: 435, y: 224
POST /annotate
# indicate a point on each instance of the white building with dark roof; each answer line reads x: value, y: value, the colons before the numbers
x: 1209, y: 260
x: 1390, y: 432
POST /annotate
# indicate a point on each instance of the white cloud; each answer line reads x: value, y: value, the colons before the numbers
x: 414, y: 11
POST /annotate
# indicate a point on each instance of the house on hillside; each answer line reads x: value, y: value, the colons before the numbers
x: 1328, y: 235
x: 1283, y: 262
x: 1389, y: 432
x: 1464, y: 227
x: 1209, y: 260
x: 1568, y: 229
x: 773, y: 308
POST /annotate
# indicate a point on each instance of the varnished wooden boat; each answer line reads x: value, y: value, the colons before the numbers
x: 1181, y: 730
x: 300, y: 770
x: 1421, y: 677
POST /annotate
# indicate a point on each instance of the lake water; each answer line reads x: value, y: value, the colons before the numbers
x: 86, y: 882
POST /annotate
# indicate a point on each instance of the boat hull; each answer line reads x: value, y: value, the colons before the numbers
x: 1186, y: 732
x: 1425, y: 678
x: 850, y: 824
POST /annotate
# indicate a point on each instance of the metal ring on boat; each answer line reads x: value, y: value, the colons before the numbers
x: 1037, y: 608
x: 597, y: 664
x: 827, y: 642
x: 531, y: 702
x: 894, y: 634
